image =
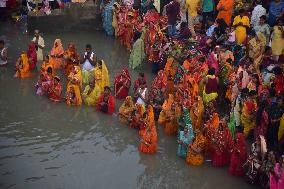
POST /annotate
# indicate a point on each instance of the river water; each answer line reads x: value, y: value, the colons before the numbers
x: 53, y: 146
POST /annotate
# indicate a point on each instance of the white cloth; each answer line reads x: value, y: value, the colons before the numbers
x: 143, y: 94
x: 3, y: 62
x: 39, y: 50
x: 87, y: 66
x: 3, y: 3
x: 257, y: 12
x: 210, y: 30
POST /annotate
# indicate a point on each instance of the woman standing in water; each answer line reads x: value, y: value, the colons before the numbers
x: 185, y: 137
x: 149, y: 138
x: 32, y: 56
x: 56, y: 54
x: 238, y: 156
x: 106, y: 8
x: 122, y: 84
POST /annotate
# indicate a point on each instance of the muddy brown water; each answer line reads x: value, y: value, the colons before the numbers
x: 51, y: 146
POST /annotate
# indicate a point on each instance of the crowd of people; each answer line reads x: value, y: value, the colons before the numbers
x: 219, y: 80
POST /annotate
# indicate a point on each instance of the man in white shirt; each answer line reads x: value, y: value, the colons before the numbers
x: 88, y: 62
x: 39, y: 41
x: 257, y: 12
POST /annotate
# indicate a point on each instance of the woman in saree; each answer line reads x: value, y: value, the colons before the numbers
x: 101, y: 75
x: 279, y: 173
x: 184, y: 139
x: 74, y: 86
x: 73, y: 96
x: 165, y: 108
x: 267, y: 167
x: 257, y: 48
x: 241, y: 23
x: 277, y: 40
x: 249, y: 114
x: 106, y: 102
x: 238, y: 155
x: 91, y: 93
x: 156, y: 99
x: 225, y: 8
x: 149, y: 120
x: 222, y: 140
x: 160, y: 82
x: 185, y: 136
x: 262, y: 120
x: 210, y: 129
x: 195, y: 154
x: 149, y: 138
x: 141, y: 80
x: 170, y: 71
x: 46, y: 77
x: 106, y: 8
x: 32, y: 56
x: 56, y: 54
x: 46, y: 64
x: 192, y: 86
x: 55, y: 90
x: 129, y: 30
x: 136, y: 117
x: 22, y: 66
x: 122, y: 84
x: 196, y: 113
x: 137, y: 55
x: 75, y: 78
x: 171, y: 121
x: 281, y: 133
x: 116, y: 9
x: 210, y: 91
x: 125, y: 110
x: 71, y: 58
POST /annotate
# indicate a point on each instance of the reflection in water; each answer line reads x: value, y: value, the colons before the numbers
x: 47, y: 145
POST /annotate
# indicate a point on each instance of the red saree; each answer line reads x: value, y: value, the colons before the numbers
x: 32, y: 56
x: 110, y: 104
x: 122, y: 84
x: 238, y: 156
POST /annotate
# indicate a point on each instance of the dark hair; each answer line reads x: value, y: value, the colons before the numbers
x: 211, y: 71
x: 100, y: 62
x: 137, y: 35
x: 252, y: 93
x: 107, y: 88
x: 267, y: 48
x: 229, y: 60
x: 201, y: 59
x: 272, y: 92
x: 47, y: 56
x: 263, y: 17
x: 244, y: 92
x: 252, y: 33
x: 88, y: 46
x: 183, y: 24
x: 141, y: 74
x: 2, y: 42
x: 277, y: 70
x: 211, y: 19
x: 241, y: 11
x: 49, y: 70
